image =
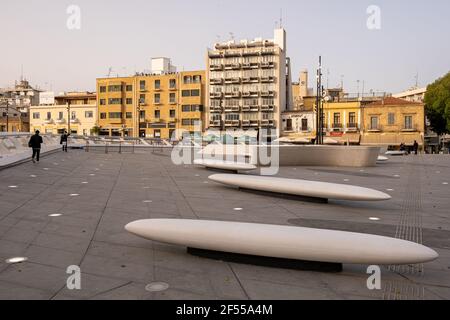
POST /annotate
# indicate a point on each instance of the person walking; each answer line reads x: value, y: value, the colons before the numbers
x: 416, y: 147
x: 35, y: 143
x: 63, y: 141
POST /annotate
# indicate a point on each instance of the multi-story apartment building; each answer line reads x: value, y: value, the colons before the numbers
x: 12, y: 120
x: 392, y: 121
x: 75, y: 112
x: 249, y: 84
x: 158, y: 105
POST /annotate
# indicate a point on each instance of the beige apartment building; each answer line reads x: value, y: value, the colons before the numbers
x: 75, y: 112
x: 247, y: 84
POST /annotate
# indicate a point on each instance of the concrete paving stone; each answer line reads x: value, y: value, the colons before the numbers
x: 62, y: 242
x: 11, y: 291
x: 20, y: 235
x: 52, y: 257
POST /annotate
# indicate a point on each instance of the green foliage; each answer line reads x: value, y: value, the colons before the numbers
x: 95, y: 131
x: 437, y: 101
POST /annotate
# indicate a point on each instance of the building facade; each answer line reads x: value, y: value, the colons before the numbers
x: 392, y: 121
x: 343, y: 121
x: 247, y: 84
x: 12, y: 120
x: 75, y: 112
x: 158, y: 105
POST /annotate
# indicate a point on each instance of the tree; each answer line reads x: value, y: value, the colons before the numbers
x: 95, y: 130
x: 437, y: 101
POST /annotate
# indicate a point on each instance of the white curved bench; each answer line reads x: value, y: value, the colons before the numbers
x: 225, y: 165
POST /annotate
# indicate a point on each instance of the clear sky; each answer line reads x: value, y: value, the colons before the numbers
x: 414, y: 38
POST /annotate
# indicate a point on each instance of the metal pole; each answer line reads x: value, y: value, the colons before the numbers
x: 68, y: 116
x: 7, y: 116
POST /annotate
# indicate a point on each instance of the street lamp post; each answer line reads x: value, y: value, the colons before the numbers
x: 68, y: 116
x: 138, y: 116
x: 7, y: 116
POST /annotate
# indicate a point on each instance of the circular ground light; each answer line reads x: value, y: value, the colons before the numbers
x: 16, y: 260
x: 74, y: 195
x: 157, y: 287
x: 238, y: 209
x: 13, y: 187
x: 374, y: 219
x: 147, y: 201
x: 33, y: 176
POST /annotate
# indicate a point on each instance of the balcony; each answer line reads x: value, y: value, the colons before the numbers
x: 172, y: 125
x: 410, y: 128
x: 232, y: 123
x: 267, y: 65
x: 246, y: 123
x: 233, y: 66
x: 267, y: 52
x: 172, y: 102
x: 143, y: 89
x: 250, y: 94
x: 232, y: 80
x: 215, y: 109
x: 157, y: 102
x: 268, y: 123
x: 215, y: 95
x: 232, y: 53
x: 267, y: 94
x: 215, y: 123
x: 337, y: 126
x: 375, y: 128
x: 157, y: 89
x: 216, y: 81
x: 268, y: 79
x: 235, y: 94
x: 352, y: 127
x: 60, y: 121
x: 215, y: 54
x: 268, y: 108
x: 246, y: 65
x: 233, y: 109
x: 48, y: 121
x: 173, y: 88
x: 216, y: 67
x: 250, y: 108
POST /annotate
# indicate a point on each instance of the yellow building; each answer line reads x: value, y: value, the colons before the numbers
x: 342, y: 121
x: 152, y: 106
x: 392, y: 121
x: 75, y: 112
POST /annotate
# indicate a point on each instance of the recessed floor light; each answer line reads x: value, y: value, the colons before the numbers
x: 146, y: 187
x: 157, y: 287
x: 33, y: 176
x: 346, y: 180
x: 397, y: 176
x: 55, y: 164
x: 46, y: 169
x: 374, y: 219
x: 55, y: 215
x: 238, y: 209
x: 389, y: 189
x: 147, y: 201
x: 197, y: 175
x: 16, y: 260
x: 92, y: 174
x: 74, y: 195
x: 13, y: 187
x: 85, y: 182
x: 445, y: 183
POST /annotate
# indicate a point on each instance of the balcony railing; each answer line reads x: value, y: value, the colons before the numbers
x: 267, y: 108
x: 216, y: 67
x: 267, y: 94
x: 216, y: 81
x: 232, y: 108
x: 232, y: 80
x: 233, y: 66
x: 411, y: 128
x: 269, y: 79
x: 215, y: 109
x: 375, y: 128
x: 250, y: 108
x: 60, y: 121
x: 215, y: 123
x: 76, y: 120
x: 215, y: 95
x: 48, y: 121
x: 232, y: 123
x: 352, y: 127
x: 267, y: 65
x: 235, y: 94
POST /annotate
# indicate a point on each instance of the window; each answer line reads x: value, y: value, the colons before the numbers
x: 142, y: 98
x: 172, y: 113
x: 88, y: 114
x: 186, y: 93
x: 337, y: 119
x: 142, y: 114
x: 172, y: 83
x: 129, y: 88
x: 172, y: 98
x: 186, y: 122
x: 114, y: 101
x: 49, y: 115
x: 195, y: 93
x: 142, y: 84
x: 197, y: 79
x: 157, y: 114
x: 187, y: 79
x: 352, y: 119
x: 36, y: 115
x: 115, y: 88
x: 232, y: 116
x: 196, y: 108
x: 157, y: 133
x: 102, y: 89
x: 115, y: 115
x: 103, y: 115
x: 129, y: 100
x: 129, y: 115
x: 157, y: 98
x: 408, y: 122
x: 186, y: 108
x: 304, y: 124
x: 157, y: 84
x: 391, y: 119
x: 102, y: 102
x: 60, y: 115
x: 374, y: 123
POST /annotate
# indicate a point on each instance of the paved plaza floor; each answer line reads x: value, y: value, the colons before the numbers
x: 94, y: 195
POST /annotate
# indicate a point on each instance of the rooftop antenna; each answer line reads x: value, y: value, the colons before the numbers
x: 21, y: 72
x: 281, y: 18
x: 231, y: 36
x: 328, y: 78
x: 417, y: 79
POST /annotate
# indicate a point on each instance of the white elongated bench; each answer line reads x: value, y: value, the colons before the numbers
x: 283, y: 242
x: 382, y: 159
x: 305, y: 188
x: 396, y: 153
x: 225, y: 165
